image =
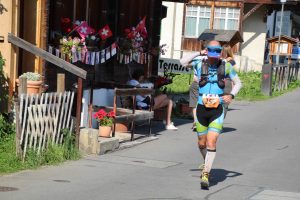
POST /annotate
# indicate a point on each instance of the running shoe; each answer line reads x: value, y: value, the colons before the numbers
x: 194, y: 128
x: 171, y: 127
x: 201, y: 167
x: 204, y: 180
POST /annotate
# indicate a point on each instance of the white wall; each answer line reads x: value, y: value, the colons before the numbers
x: 171, y: 29
x: 254, y: 35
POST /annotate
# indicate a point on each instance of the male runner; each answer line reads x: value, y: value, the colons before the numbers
x: 210, y: 112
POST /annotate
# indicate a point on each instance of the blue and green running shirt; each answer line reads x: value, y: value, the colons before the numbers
x: 211, y: 87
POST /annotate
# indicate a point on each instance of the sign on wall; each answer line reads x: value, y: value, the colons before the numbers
x: 172, y: 65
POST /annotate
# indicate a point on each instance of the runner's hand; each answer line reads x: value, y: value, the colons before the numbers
x: 203, y: 52
x: 227, y: 99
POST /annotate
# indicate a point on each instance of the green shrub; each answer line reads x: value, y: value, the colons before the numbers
x: 53, y: 155
x: 251, y: 89
x: 6, y: 128
x: 181, y: 84
x: 70, y: 151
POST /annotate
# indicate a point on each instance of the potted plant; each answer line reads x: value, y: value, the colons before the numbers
x: 184, y: 106
x: 105, y: 120
x: 34, y: 82
x: 2, y: 62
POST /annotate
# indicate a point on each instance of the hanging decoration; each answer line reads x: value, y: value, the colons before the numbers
x: 84, y: 55
x: 82, y: 42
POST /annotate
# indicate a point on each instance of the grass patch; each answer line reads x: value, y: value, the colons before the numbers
x: 180, y: 85
x: 53, y: 155
x: 251, y: 90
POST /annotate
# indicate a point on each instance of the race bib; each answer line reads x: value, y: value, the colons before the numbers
x: 211, y: 100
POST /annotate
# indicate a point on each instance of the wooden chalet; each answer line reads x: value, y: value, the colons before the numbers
x: 242, y: 10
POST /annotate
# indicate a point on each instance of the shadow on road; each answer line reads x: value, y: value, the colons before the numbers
x: 228, y: 129
x: 220, y: 175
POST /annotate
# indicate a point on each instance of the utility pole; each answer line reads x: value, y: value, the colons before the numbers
x: 280, y: 27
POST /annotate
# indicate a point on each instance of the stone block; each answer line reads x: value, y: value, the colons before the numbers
x: 88, y: 141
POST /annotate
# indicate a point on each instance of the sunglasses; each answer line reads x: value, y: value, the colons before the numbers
x: 214, y: 49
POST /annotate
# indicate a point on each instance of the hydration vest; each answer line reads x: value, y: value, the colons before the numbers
x: 205, y: 73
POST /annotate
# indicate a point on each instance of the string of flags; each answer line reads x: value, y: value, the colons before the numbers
x: 102, y: 56
x: 86, y: 56
x: 141, y: 58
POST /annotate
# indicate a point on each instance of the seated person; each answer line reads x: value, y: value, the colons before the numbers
x: 159, y: 101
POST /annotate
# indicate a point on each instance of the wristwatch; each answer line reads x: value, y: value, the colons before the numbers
x: 232, y: 96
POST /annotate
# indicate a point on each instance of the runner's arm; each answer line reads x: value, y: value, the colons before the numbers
x: 186, y: 60
x: 237, y: 85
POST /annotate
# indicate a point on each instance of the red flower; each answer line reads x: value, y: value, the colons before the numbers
x: 111, y: 114
x: 65, y: 20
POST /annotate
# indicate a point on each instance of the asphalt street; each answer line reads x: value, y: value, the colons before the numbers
x: 258, y: 158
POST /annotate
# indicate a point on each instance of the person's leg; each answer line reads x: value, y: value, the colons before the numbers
x: 212, y: 138
x: 202, y: 145
x: 214, y: 129
x: 160, y: 101
x: 201, y: 128
x: 169, y: 110
x: 194, y: 93
x: 164, y: 101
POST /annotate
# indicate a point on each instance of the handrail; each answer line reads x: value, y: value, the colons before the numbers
x: 47, y: 56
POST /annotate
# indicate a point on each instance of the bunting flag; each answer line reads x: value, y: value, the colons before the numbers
x: 93, y: 58
x: 74, y: 57
x: 84, y: 29
x: 98, y: 57
x: 57, y: 52
x: 114, y: 49
x: 141, y: 26
x: 50, y: 49
x: 105, y: 32
x: 102, y: 56
x: 107, y: 55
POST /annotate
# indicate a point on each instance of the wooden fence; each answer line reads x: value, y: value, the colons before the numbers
x: 34, y: 109
x: 284, y: 75
x: 41, y: 119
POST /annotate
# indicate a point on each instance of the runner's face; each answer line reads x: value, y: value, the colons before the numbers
x: 214, y: 52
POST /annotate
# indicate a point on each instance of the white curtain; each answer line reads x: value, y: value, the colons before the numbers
x: 190, y: 26
x: 203, y: 24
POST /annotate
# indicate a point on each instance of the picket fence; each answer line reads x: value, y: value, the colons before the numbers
x: 284, y: 75
x: 42, y: 118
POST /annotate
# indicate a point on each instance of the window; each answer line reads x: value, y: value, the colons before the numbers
x: 196, y: 20
x: 198, y: 17
x: 226, y: 18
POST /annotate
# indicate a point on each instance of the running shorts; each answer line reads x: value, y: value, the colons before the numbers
x: 194, y: 93
x: 209, y: 119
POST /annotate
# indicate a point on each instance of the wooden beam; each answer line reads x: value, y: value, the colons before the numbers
x: 270, y: 2
x: 212, y: 16
x: 47, y: 56
x: 255, y: 8
x: 133, y: 91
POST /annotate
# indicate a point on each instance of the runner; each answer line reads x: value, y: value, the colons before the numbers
x: 210, y: 110
x: 227, y: 55
x: 194, y: 90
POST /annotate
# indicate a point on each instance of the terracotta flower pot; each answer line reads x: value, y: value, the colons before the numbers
x: 33, y: 87
x: 121, y: 127
x: 184, y: 108
x: 105, y: 131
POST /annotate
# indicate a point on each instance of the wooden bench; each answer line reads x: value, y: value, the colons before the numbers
x: 129, y: 114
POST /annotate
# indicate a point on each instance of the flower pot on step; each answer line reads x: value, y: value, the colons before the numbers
x: 105, y: 131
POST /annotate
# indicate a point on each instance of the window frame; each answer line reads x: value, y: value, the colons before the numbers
x: 198, y: 16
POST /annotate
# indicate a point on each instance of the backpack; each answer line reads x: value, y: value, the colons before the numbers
x: 221, y: 73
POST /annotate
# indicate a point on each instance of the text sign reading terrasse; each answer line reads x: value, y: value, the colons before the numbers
x: 172, y: 65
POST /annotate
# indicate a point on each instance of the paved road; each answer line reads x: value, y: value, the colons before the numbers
x: 258, y: 158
